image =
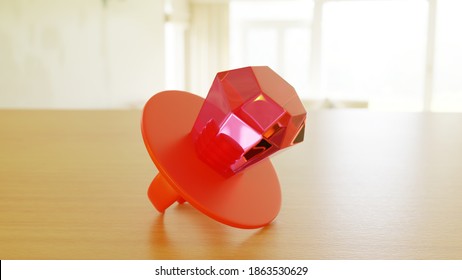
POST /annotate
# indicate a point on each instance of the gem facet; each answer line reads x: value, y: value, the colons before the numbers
x: 249, y: 114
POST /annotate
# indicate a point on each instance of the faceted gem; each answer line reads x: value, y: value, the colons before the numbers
x: 249, y: 114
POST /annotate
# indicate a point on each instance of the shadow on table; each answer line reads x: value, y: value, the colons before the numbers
x: 185, y: 233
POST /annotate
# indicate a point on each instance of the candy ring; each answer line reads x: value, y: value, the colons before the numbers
x: 213, y: 153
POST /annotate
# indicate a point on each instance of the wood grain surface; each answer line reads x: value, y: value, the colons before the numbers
x: 363, y: 185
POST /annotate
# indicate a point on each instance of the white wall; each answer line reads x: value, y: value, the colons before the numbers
x: 80, y: 53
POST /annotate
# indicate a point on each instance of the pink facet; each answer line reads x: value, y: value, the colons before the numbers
x: 240, y: 132
x: 249, y: 114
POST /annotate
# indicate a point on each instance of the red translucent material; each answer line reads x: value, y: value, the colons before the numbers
x: 249, y: 114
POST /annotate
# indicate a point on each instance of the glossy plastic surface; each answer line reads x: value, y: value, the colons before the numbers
x: 250, y: 199
x: 249, y: 114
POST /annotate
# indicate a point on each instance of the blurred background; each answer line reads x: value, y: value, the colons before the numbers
x: 394, y: 55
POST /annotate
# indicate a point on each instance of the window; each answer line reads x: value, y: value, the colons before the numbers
x: 374, y: 51
x: 391, y: 55
x: 279, y: 38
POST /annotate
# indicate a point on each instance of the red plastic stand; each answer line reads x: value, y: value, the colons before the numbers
x: 249, y: 199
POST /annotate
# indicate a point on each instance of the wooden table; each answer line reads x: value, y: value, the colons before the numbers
x: 363, y: 185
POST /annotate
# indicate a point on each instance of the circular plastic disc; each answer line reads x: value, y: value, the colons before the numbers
x: 249, y: 199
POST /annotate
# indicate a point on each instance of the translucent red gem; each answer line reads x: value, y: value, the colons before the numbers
x: 249, y: 114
